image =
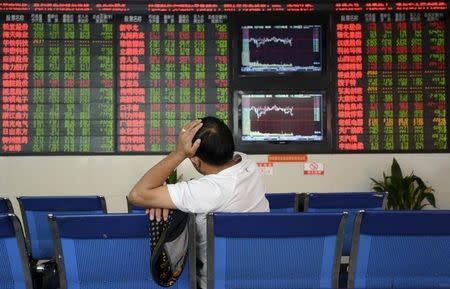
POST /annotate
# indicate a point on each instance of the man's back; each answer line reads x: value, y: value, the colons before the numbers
x: 231, y: 182
x: 238, y: 188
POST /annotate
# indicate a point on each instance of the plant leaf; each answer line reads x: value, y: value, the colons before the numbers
x: 378, y: 186
x: 430, y: 198
x: 417, y: 198
x: 396, y: 172
x: 419, y: 181
x: 172, y: 178
x: 408, y: 192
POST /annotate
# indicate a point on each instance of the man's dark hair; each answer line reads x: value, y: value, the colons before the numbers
x: 217, y: 144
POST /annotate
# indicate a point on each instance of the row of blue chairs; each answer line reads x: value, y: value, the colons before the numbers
x: 40, y: 244
x: 391, y: 249
x: 38, y: 237
x: 109, y: 251
x: 37, y: 229
x: 35, y: 211
x: 320, y: 202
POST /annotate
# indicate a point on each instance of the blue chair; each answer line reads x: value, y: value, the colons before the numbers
x: 5, y: 206
x: 269, y: 250
x: 283, y: 202
x: 401, y: 249
x: 108, y: 252
x: 14, y: 267
x: 134, y: 209
x: 339, y: 202
x: 35, y: 211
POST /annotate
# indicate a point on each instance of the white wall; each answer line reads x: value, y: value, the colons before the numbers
x: 113, y: 176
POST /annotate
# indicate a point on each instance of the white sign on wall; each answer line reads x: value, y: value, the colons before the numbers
x: 312, y: 168
x: 266, y: 168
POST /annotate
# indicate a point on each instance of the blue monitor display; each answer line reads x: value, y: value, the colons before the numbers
x: 281, y: 48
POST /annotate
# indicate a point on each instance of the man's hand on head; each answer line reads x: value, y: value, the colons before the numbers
x: 185, y: 147
x: 150, y: 191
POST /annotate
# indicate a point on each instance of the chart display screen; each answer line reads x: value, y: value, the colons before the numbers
x: 391, y: 82
x: 281, y: 48
x: 281, y: 117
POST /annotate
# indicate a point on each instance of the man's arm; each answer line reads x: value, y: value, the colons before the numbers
x: 150, y: 191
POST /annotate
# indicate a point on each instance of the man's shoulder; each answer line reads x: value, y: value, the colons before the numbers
x: 207, y: 180
x: 243, y: 155
x: 246, y: 163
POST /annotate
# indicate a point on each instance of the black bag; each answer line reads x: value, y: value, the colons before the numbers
x: 169, y: 246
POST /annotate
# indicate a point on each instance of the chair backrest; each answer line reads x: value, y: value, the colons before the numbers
x: 283, y: 202
x: 400, y: 249
x: 134, y: 209
x: 5, y: 206
x: 35, y: 211
x: 14, y: 268
x: 107, y: 252
x: 339, y: 202
x: 269, y: 250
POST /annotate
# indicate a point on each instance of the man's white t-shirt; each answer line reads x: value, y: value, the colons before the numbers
x: 236, y: 189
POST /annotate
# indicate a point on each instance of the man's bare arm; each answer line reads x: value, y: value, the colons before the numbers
x: 150, y: 191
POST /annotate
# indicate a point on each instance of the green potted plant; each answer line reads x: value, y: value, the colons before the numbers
x: 404, y: 192
x: 173, y: 178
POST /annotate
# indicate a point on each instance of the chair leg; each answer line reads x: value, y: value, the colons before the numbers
x: 45, y: 275
x: 343, y: 276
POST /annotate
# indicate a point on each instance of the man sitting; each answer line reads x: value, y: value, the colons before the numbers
x: 231, y: 181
